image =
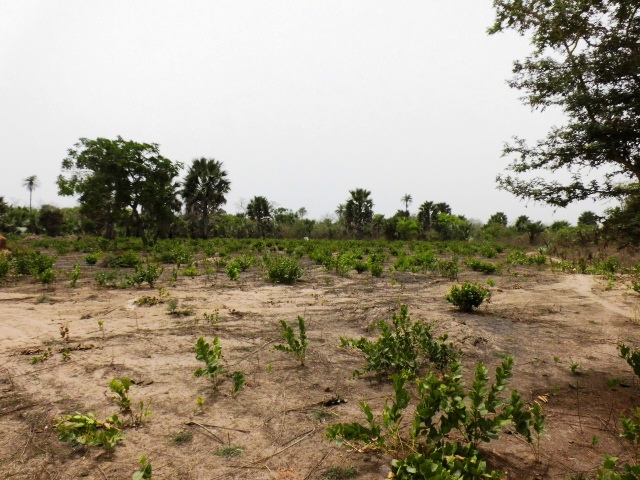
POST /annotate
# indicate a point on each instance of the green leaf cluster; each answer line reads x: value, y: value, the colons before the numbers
x: 120, y: 386
x: 79, y: 429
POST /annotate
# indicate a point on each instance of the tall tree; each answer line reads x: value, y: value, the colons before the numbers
x: 31, y: 183
x: 498, y: 218
x: 121, y: 183
x: 429, y: 211
x: 204, y: 192
x: 407, y: 199
x: 358, y: 211
x: 259, y: 210
x: 585, y: 61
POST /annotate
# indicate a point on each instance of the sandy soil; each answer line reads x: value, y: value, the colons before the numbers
x: 546, y: 320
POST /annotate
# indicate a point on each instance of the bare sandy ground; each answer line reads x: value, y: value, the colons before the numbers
x: 547, y: 320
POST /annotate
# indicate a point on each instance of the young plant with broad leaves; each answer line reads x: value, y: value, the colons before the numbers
x: 403, y: 347
x: 297, y: 346
x: 212, y: 358
x: 449, y: 422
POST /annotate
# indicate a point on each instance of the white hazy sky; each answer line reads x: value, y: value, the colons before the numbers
x: 301, y: 100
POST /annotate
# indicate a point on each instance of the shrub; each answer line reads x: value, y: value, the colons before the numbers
x: 468, y: 296
x: 92, y: 258
x: 448, y: 268
x: 106, y: 279
x: 284, y: 270
x: 127, y: 259
x: 31, y: 262
x: 232, y: 272
x: 212, y: 357
x: 480, y: 266
x: 444, y: 405
x: 75, y: 275
x: 47, y: 277
x: 401, y: 346
x: 375, y: 269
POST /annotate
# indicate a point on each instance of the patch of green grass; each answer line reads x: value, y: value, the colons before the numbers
x: 181, y: 437
x: 229, y: 451
x: 324, y: 415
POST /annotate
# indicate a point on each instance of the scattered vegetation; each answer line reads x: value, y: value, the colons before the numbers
x: 449, y: 422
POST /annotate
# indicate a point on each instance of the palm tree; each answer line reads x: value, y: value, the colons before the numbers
x: 204, y: 190
x: 429, y: 211
x: 407, y: 199
x: 259, y: 210
x: 31, y: 183
x: 358, y: 211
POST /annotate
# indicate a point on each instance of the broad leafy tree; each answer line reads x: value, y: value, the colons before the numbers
x: 358, y: 211
x: 31, y: 183
x: 122, y: 184
x: 521, y: 223
x: 623, y: 223
x: 588, y: 219
x: 585, y: 61
x: 498, y: 218
x: 204, y: 192
x: 260, y: 211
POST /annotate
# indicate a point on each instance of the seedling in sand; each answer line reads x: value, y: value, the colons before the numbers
x: 120, y: 386
x: 87, y: 430
x: 296, y: 346
x: 238, y: 382
x: 145, y: 469
x: 212, y: 318
x: 573, y: 366
x: 75, y: 275
x: 212, y: 357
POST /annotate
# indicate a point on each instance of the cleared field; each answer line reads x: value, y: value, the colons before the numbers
x: 61, y: 346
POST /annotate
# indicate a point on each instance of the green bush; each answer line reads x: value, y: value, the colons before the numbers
x: 149, y: 273
x: 47, y: 277
x: 480, y: 266
x: 233, y: 272
x: 283, y: 270
x: 446, y: 411
x: 31, y: 262
x: 93, y: 258
x: 468, y: 296
x: 402, y: 347
x: 127, y: 259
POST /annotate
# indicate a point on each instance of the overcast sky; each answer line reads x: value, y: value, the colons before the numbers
x: 301, y: 100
